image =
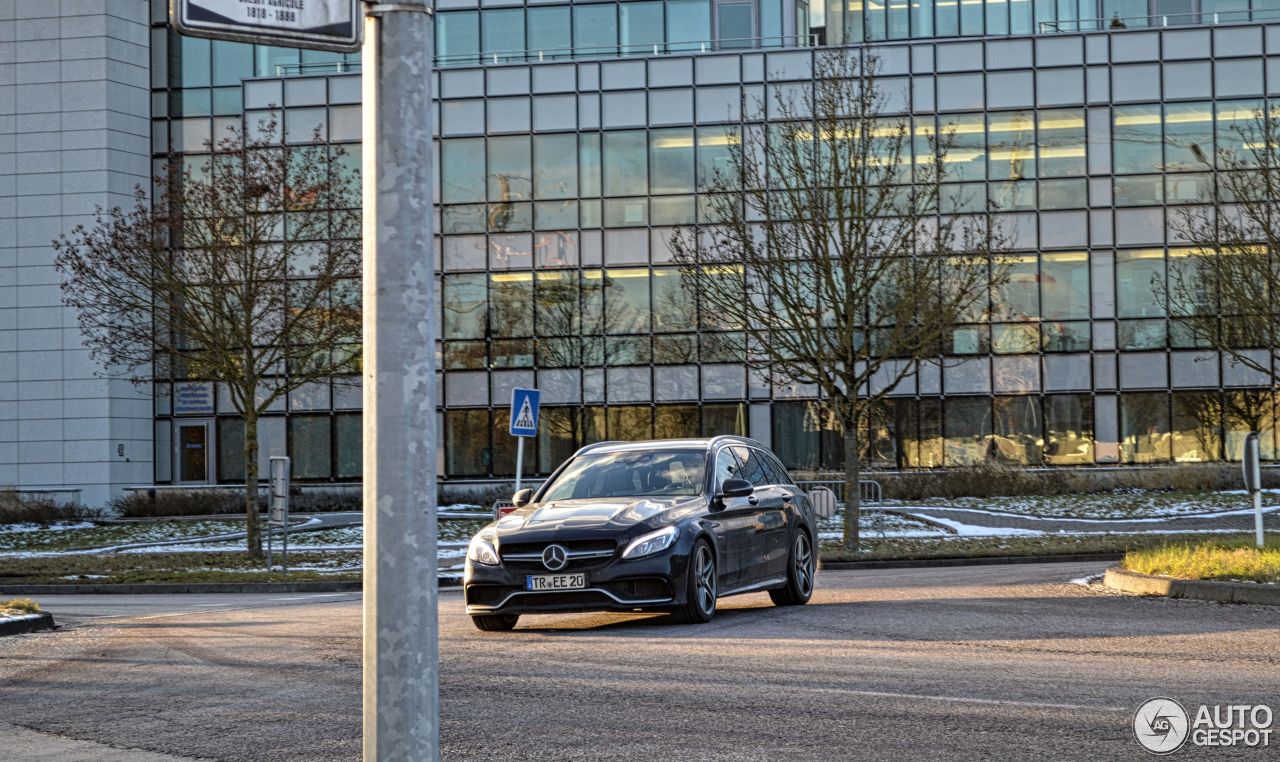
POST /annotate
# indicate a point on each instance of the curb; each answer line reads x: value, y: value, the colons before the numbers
x: 924, y: 563
x: 166, y: 588
x: 1127, y: 581
x: 24, y: 624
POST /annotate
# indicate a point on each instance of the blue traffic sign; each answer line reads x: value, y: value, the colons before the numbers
x: 524, y: 412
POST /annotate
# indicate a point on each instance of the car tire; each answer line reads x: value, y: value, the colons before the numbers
x: 495, y: 622
x: 800, y: 573
x: 701, y: 586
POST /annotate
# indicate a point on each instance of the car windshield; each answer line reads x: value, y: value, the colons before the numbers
x: 630, y: 474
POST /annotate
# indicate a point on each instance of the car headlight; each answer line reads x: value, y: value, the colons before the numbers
x: 481, y: 551
x: 648, y: 544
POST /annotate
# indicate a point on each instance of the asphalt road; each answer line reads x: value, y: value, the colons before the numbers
x: 1011, y: 662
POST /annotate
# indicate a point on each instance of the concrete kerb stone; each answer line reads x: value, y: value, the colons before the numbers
x: 166, y: 588
x: 1127, y: 581
x: 20, y: 625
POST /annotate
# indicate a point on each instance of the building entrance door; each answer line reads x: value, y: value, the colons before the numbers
x: 194, y: 457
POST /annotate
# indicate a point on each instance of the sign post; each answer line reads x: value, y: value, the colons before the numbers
x: 278, y: 510
x: 1251, y: 464
x: 401, y: 666
x: 524, y: 423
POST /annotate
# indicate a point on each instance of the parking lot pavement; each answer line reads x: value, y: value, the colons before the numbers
x: 960, y: 663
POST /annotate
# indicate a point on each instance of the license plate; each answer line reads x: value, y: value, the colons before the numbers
x: 555, y: 581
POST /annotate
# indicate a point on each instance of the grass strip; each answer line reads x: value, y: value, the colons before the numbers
x: 1235, y: 559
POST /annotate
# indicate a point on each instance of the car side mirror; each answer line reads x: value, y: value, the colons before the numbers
x: 522, y: 498
x: 734, y: 488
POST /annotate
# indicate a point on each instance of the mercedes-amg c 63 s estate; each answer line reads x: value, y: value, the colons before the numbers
x: 669, y: 525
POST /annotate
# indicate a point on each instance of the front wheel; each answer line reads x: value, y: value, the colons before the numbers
x: 495, y: 622
x: 700, y: 587
x: 799, y: 587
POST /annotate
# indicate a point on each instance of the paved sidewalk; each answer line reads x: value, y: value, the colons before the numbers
x: 23, y: 745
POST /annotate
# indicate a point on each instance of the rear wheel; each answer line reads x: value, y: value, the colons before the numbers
x: 799, y: 587
x: 495, y: 622
x: 700, y: 587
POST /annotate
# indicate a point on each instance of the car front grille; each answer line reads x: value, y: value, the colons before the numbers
x: 527, y: 556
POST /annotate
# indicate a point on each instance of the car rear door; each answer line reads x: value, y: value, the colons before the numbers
x: 769, y: 542
x: 734, y: 525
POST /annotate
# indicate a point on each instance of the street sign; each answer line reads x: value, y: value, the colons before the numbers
x: 317, y: 24
x: 524, y: 412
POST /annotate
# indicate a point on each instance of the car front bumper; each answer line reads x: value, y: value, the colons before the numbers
x: 654, y: 582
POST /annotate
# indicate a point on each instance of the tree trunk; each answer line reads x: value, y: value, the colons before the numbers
x: 852, y: 497
x: 254, y: 539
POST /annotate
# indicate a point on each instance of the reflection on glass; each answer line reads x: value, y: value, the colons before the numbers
x: 503, y: 33
x: 509, y: 168
x: 730, y: 418
x: 1138, y: 276
x: 630, y: 422
x: 1197, y: 427
x: 1135, y: 140
x: 1017, y: 438
x: 1064, y: 285
x: 595, y: 29
x: 1011, y: 139
x: 675, y: 421
x: 640, y: 25
x: 1188, y: 137
x: 688, y: 24
x: 1068, y: 425
x: 671, y: 161
x: 1016, y: 338
x: 626, y: 300
x: 465, y: 304
x: 1144, y: 427
x: 968, y: 430
x: 549, y: 33
x: 1140, y: 190
x: 555, y: 166
x: 1018, y: 298
x: 966, y: 157
x: 1065, y: 337
x: 511, y: 304
x: 1062, y: 142
x: 462, y: 170
x: 673, y: 301
x: 625, y: 163
x: 467, y: 442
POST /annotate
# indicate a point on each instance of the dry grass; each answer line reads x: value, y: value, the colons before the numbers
x: 175, y: 567
x: 19, y: 606
x: 1221, y: 560
x: 217, y: 502
x: 893, y: 549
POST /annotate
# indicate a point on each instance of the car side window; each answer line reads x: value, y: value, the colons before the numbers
x: 752, y: 467
x: 726, y: 467
x: 779, y: 470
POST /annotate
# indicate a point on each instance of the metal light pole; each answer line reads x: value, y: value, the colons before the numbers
x: 401, y: 672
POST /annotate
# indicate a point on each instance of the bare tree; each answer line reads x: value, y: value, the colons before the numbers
x: 243, y: 271
x: 1221, y: 290
x: 829, y: 251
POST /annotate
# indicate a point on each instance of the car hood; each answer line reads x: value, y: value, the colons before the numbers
x: 596, y: 515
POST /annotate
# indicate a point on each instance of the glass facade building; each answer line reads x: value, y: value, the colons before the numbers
x: 574, y: 138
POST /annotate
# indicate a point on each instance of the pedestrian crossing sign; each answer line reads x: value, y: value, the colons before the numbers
x: 524, y: 412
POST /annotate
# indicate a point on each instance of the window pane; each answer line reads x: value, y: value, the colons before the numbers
x: 549, y: 32
x: 715, y: 158
x: 194, y: 60
x: 794, y: 440
x: 1018, y: 436
x: 640, y: 25
x: 589, y: 164
x: 1012, y: 146
x: 1141, y: 190
x: 465, y: 305
x: 1068, y: 423
x: 1064, y: 285
x: 467, y: 442
x: 968, y: 427
x: 560, y: 434
x: 1062, y: 143
x: 555, y: 166
x: 724, y: 419
x: 1138, y: 275
x: 511, y: 304
x: 625, y: 158
x: 671, y: 161
x: 557, y: 304
x: 504, y: 32
x: 350, y: 450
x: 1141, y: 334
x: 457, y: 36
x: 673, y: 304
x: 629, y: 423
x: 1197, y: 427
x: 595, y: 29
x: 735, y: 25
x: 1136, y: 140
x: 231, y: 450
x: 1065, y: 336
x: 966, y: 157
x: 627, y: 300
x: 462, y: 170
x: 1144, y: 427
x: 688, y: 24
x: 232, y: 62
x: 675, y: 421
x: 1018, y: 298
x: 1188, y: 137
x: 309, y: 446
x: 509, y: 169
